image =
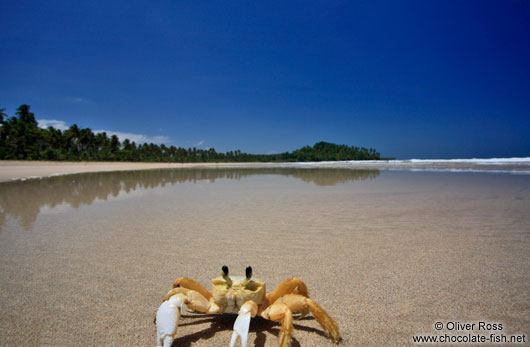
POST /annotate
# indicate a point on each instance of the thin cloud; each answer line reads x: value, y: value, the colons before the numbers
x: 57, y: 124
x: 78, y: 100
x: 138, y: 138
x: 199, y: 143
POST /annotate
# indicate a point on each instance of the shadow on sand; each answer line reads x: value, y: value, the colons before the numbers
x: 226, y: 322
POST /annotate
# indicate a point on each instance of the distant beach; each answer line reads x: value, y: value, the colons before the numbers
x: 11, y: 170
x: 20, y: 170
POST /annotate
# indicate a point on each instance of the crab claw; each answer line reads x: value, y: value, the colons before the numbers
x: 241, y: 328
x: 167, y: 318
x: 248, y: 310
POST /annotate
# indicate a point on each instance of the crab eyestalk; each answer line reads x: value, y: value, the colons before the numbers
x: 248, y: 272
x: 224, y: 273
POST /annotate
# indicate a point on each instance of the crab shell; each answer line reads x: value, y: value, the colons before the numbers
x: 230, y: 293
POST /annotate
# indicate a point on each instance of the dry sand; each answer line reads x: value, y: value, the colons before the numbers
x: 86, y: 259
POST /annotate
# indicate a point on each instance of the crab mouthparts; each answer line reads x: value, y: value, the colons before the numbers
x: 235, y: 300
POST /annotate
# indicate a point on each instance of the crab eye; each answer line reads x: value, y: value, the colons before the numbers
x: 248, y: 272
x: 224, y: 279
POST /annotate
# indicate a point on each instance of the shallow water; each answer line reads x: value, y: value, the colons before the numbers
x: 87, y: 258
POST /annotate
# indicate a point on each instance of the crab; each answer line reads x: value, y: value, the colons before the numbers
x: 246, y: 296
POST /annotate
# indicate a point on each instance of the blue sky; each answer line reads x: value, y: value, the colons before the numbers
x: 414, y: 79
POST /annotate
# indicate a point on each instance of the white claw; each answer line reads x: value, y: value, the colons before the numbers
x: 241, y: 328
x: 167, y: 318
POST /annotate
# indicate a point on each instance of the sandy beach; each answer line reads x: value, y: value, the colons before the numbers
x: 86, y: 259
x: 18, y: 170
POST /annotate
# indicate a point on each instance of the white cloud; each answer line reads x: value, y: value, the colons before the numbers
x: 138, y: 138
x: 57, y: 124
x: 199, y: 143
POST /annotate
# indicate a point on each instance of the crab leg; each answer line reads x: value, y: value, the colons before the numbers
x: 290, y: 286
x: 281, y: 312
x: 194, y: 300
x: 295, y: 302
x: 248, y: 310
x: 188, y: 283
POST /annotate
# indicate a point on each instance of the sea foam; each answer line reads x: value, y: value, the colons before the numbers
x: 519, y: 166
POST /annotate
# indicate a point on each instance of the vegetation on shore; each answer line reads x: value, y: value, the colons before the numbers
x: 22, y: 139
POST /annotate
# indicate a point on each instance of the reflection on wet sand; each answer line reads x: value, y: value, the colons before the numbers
x: 24, y: 200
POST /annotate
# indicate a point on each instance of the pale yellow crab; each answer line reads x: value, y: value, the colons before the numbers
x: 245, y: 296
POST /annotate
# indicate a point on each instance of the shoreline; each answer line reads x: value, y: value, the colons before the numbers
x: 15, y: 170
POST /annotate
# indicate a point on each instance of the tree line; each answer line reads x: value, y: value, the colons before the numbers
x: 22, y: 139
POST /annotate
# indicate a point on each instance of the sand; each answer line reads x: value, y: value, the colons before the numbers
x: 19, y: 170
x: 86, y: 259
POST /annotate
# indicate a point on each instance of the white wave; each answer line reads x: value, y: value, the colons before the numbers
x: 487, y: 161
x: 511, y: 172
x: 516, y: 166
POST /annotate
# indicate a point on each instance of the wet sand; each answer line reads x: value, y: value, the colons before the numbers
x: 21, y: 170
x: 86, y: 259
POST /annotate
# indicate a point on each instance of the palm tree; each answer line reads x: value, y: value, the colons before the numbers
x: 72, y: 136
x: 101, y: 141
x: 2, y: 115
x: 85, y: 138
x: 114, y: 144
x: 25, y: 115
